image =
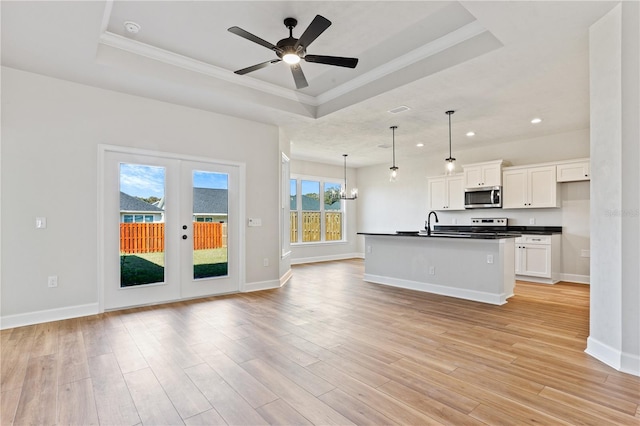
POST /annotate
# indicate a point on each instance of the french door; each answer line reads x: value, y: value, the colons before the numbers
x: 170, y: 228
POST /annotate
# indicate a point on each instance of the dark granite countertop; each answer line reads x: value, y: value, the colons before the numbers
x: 441, y: 234
x: 535, y: 230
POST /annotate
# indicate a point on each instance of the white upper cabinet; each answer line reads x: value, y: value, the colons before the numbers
x: 529, y: 187
x: 573, y: 171
x: 483, y: 174
x: 446, y: 192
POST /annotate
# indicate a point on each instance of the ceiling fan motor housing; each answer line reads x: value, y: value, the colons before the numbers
x: 287, y: 45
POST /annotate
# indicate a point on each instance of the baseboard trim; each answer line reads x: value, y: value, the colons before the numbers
x: 48, y: 315
x: 261, y: 285
x: 286, y: 277
x: 478, y: 296
x: 621, y: 361
x: 329, y: 258
x: 574, y: 278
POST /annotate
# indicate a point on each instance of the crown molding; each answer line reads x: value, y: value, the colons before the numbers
x: 142, y: 49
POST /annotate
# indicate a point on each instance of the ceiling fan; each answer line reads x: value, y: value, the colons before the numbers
x: 291, y: 50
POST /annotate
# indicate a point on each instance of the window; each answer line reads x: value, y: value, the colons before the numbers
x: 316, y: 214
x: 137, y: 218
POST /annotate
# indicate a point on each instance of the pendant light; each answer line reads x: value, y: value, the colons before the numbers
x: 343, y: 191
x: 394, y: 169
x: 451, y: 162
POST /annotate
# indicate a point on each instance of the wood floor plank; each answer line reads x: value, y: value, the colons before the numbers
x: 37, y: 403
x: 353, y: 409
x: 76, y: 403
x: 435, y: 409
x: 280, y: 413
x: 185, y: 396
x: 8, y: 404
x: 113, y: 402
x: 208, y: 418
x: 152, y: 403
x: 73, y: 364
x: 305, y: 403
x: 297, y: 374
x: 45, y: 339
x: 234, y: 409
x: 254, y: 392
x: 390, y: 407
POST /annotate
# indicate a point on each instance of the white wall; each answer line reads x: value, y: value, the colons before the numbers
x: 303, y: 253
x: 402, y: 206
x: 50, y: 132
x: 614, y: 46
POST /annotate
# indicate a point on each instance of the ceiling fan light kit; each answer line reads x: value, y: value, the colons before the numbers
x: 292, y: 50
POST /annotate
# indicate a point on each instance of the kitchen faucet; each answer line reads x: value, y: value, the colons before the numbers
x: 427, y: 224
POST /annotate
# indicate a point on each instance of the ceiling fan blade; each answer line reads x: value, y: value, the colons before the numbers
x: 332, y: 60
x: 298, y: 77
x: 246, y: 34
x: 256, y: 67
x: 315, y: 28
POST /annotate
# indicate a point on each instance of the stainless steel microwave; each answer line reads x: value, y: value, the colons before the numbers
x: 483, y: 198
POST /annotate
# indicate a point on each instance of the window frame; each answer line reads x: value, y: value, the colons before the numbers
x: 343, y: 209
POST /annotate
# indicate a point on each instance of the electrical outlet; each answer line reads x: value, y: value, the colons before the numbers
x: 52, y: 281
x: 368, y: 249
x: 532, y: 221
x: 265, y: 261
x: 489, y: 258
x: 432, y: 270
x: 454, y: 221
x: 585, y: 253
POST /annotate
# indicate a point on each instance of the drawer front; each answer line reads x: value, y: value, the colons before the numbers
x: 536, y: 239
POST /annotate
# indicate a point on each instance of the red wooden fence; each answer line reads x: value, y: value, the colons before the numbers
x: 149, y: 237
x: 209, y: 235
x: 141, y: 237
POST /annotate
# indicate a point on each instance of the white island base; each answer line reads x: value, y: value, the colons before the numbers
x: 467, y: 268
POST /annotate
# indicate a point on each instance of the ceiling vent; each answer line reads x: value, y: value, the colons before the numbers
x: 399, y: 109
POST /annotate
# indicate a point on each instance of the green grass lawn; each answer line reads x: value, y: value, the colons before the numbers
x: 147, y: 268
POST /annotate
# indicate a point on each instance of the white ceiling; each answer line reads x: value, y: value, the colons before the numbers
x: 497, y: 64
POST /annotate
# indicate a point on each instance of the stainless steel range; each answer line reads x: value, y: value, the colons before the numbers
x: 488, y: 225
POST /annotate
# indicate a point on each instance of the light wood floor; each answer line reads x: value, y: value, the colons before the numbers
x: 327, y: 348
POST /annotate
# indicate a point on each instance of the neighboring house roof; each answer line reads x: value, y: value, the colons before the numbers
x: 210, y: 201
x: 133, y: 204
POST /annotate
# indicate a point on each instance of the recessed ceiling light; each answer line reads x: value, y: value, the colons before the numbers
x: 536, y: 120
x: 419, y: 145
x: 471, y: 134
x: 131, y: 27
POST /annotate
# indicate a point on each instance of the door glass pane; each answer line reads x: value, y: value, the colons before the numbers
x: 142, y: 190
x: 210, y: 218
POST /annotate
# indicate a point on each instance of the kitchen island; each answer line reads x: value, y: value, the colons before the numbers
x: 466, y: 266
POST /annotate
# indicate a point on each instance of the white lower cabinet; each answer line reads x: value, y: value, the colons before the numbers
x: 446, y: 193
x: 537, y: 258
